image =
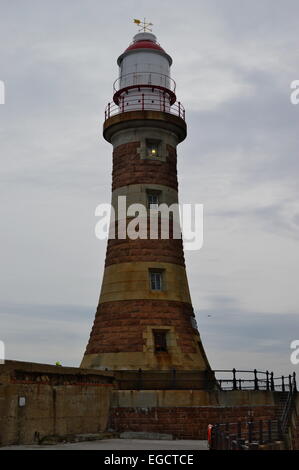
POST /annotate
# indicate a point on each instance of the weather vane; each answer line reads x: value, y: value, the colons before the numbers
x: 144, y: 26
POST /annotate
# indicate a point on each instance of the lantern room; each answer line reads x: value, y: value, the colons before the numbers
x: 144, y: 81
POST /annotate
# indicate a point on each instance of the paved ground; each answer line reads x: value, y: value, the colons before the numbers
x: 119, y: 444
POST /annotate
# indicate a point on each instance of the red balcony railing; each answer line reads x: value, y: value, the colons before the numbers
x: 145, y: 101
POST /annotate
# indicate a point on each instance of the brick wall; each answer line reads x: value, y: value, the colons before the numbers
x: 119, y: 325
x: 129, y: 168
x: 126, y: 250
x: 183, y: 422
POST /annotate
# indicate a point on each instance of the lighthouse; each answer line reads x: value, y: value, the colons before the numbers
x: 145, y: 319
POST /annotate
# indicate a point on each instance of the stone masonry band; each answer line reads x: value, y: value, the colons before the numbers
x: 125, y: 281
x: 119, y: 326
x: 129, y: 168
x: 122, y: 336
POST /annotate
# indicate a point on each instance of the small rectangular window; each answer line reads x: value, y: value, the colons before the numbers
x: 153, y: 148
x: 156, y: 280
x: 153, y: 200
x: 160, y: 341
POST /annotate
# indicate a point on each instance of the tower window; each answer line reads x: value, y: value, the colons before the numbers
x: 156, y: 280
x: 153, y: 148
x: 160, y: 340
x: 153, y: 200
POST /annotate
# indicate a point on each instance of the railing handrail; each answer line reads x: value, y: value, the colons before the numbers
x: 233, y: 435
x: 144, y: 102
x: 239, y: 370
x: 283, y: 382
x: 285, y: 416
x: 229, y: 440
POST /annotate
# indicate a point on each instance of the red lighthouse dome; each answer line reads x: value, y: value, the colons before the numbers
x: 143, y: 42
x: 144, y: 45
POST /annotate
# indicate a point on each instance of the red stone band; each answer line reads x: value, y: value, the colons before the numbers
x: 129, y: 168
x: 119, y: 325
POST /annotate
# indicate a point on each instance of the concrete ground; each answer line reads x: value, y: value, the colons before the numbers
x: 119, y: 444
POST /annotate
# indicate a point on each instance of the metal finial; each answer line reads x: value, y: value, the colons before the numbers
x: 144, y: 25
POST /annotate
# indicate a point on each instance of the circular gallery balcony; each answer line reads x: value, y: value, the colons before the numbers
x: 141, y: 101
x: 144, y: 91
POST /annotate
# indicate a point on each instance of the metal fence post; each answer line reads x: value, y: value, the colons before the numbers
x: 234, y: 379
x: 272, y: 382
x: 256, y: 384
x: 267, y: 381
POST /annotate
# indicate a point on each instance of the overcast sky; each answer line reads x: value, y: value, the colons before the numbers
x: 233, y: 64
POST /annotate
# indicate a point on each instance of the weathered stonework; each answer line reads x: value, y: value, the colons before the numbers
x: 57, y: 401
x: 129, y: 311
x: 126, y: 281
x: 67, y: 401
x: 127, y: 251
x: 183, y: 422
x: 121, y: 337
x: 129, y: 168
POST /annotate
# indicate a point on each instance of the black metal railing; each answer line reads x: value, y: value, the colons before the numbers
x: 251, y: 434
x: 288, y: 407
x: 254, y: 380
x: 245, y: 435
x: 210, y: 379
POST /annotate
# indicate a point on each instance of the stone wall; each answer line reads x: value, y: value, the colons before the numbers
x: 183, y: 422
x: 129, y: 168
x: 186, y: 413
x: 56, y: 401
x: 67, y: 401
x: 119, y: 326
